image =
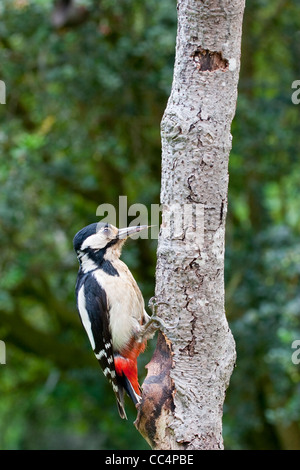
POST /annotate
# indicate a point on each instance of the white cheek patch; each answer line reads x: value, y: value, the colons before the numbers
x: 95, y: 241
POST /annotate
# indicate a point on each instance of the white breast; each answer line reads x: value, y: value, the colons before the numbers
x: 125, y: 303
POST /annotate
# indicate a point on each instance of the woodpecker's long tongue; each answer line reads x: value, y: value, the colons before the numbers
x: 128, y: 231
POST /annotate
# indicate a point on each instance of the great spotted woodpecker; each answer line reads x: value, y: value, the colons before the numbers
x: 111, y: 307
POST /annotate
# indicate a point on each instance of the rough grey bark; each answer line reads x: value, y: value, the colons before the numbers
x: 184, y: 391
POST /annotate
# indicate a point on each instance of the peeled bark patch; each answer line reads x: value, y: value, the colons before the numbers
x: 206, y: 60
x: 157, y: 402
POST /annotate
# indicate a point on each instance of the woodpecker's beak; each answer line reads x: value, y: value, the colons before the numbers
x: 128, y: 231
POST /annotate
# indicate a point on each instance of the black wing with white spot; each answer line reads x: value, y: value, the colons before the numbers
x: 93, y: 310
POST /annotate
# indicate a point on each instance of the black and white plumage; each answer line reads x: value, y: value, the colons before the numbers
x: 111, y: 307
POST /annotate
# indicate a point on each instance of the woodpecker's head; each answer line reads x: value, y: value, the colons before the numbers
x: 100, y: 242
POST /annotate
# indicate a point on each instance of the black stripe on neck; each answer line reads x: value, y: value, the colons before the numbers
x: 97, y: 256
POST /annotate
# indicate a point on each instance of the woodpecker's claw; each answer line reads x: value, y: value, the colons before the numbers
x: 158, y: 322
x: 152, y: 304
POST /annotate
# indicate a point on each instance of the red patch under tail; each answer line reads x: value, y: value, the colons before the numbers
x: 126, y: 363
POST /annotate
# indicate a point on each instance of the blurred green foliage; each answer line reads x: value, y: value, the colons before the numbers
x: 80, y: 128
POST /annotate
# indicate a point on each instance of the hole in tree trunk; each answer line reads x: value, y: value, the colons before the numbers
x: 207, y: 60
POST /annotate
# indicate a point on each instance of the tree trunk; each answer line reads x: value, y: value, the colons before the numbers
x: 184, y: 390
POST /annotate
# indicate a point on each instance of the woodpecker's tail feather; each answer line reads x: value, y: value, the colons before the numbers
x: 135, y: 397
x: 124, y: 384
x: 120, y: 403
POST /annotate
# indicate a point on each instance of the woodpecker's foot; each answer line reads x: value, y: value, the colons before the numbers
x: 158, y: 323
x: 152, y: 304
x: 148, y: 330
x: 155, y: 323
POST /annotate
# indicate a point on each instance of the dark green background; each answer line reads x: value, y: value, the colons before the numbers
x: 81, y: 127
